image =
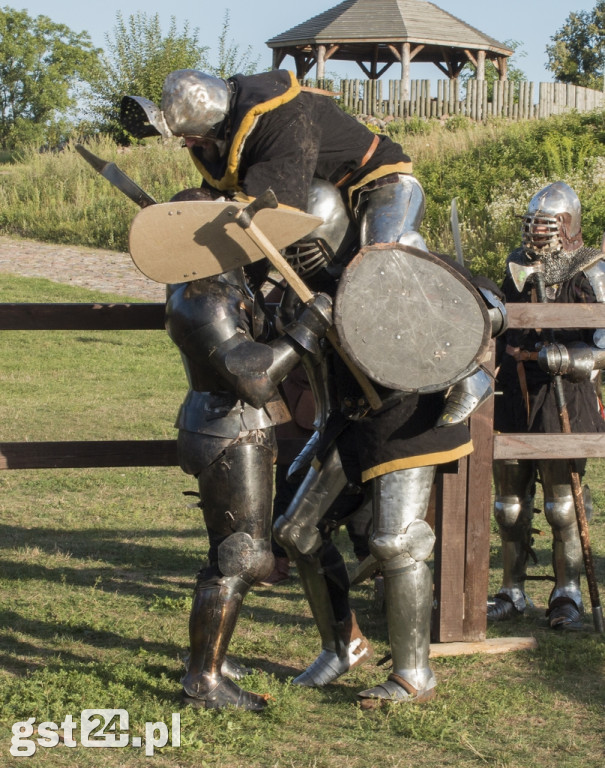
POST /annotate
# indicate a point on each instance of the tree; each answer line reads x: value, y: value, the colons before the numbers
x: 577, y: 54
x: 137, y: 60
x: 42, y: 67
x: 139, y: 56
x: 230, y: 60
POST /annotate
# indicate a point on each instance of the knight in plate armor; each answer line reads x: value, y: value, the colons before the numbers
x: 226, y: 440
x: 573, y: 272
x: 388, y: 458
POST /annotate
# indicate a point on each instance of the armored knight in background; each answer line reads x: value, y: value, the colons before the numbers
x: 391, y: 455
x: 226, y: 440
x: 552, y: 237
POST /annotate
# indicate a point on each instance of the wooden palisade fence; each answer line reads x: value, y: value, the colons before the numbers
x: 512, y: 100
x: 462, y: 495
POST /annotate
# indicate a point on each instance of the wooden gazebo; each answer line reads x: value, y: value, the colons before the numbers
x: 378, y: 33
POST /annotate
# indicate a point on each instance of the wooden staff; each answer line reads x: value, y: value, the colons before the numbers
x: 244, y: 218
x: 576, y: 488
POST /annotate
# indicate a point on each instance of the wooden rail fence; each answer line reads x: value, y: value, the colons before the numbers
x: 513, y: 100
x: 462, y: 496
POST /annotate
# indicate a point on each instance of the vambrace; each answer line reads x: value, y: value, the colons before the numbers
x: 496, y: 311
x: 464, y: 397
x: 392, y: 212
x: 312, y: 323
x: 576, y: 361
x: 255, y: 369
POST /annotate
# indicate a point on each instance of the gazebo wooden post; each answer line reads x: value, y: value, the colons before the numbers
x: 503, y: 67
x: 321, y: 62
x: 480, y: 65
x: 406, y: 58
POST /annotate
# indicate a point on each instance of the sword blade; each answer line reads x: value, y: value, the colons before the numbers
x: 117, y: 177
x: 456, y: 232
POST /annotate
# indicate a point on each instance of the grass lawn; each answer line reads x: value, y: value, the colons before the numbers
x: 97, y: 569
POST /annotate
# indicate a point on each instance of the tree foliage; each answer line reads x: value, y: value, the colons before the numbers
x: 577, y: 54
x: 42, y: 66
x: 139, y: 56
x: 231, y: 60
x: 137, y: 59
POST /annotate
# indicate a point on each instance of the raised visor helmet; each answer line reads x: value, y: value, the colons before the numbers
x: 193, y: 104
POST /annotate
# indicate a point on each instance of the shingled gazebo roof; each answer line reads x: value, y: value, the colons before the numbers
x: 378, y: 33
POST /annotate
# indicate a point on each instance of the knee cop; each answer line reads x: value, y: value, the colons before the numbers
x: 400, y: 550
x: 241, y: 556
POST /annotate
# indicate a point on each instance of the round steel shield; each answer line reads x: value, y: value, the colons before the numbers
x: 409, y: 319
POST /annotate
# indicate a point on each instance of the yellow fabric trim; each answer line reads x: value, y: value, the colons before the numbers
x: 222, y: 184
x: 229, y: 180
x: 316, y: 464
x: 250, y: 119
x: 378, y: 173
x: 425, y: 460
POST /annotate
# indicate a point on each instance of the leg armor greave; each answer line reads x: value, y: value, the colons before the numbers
x: 322, y: 572
x: 298, y: 534
x: 216, y: 605
x: 393, y: 213
x: 560, y: 513
x: 513, y: 511
x: 236, y: 494
x: 401, y: 542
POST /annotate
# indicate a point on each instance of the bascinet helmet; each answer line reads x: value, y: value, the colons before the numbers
x: 552, y: 222
x: 329, y: 243
x: 194, y: 103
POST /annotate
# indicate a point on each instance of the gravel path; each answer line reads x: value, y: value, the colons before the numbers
x: 98, y: 270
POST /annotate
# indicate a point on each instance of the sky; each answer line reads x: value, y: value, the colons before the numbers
x: 531, y: 23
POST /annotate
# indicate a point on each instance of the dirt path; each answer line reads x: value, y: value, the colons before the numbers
x: 98, y: 270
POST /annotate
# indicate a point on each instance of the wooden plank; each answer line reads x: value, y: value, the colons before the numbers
x: 447, y: 624
x: 82, y: 317
x: 555, y: 315
x: 144, y: 316
x: 492, y: 645
x: 80, y: 454
x: 548, y: 446
x: 478, y: 512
